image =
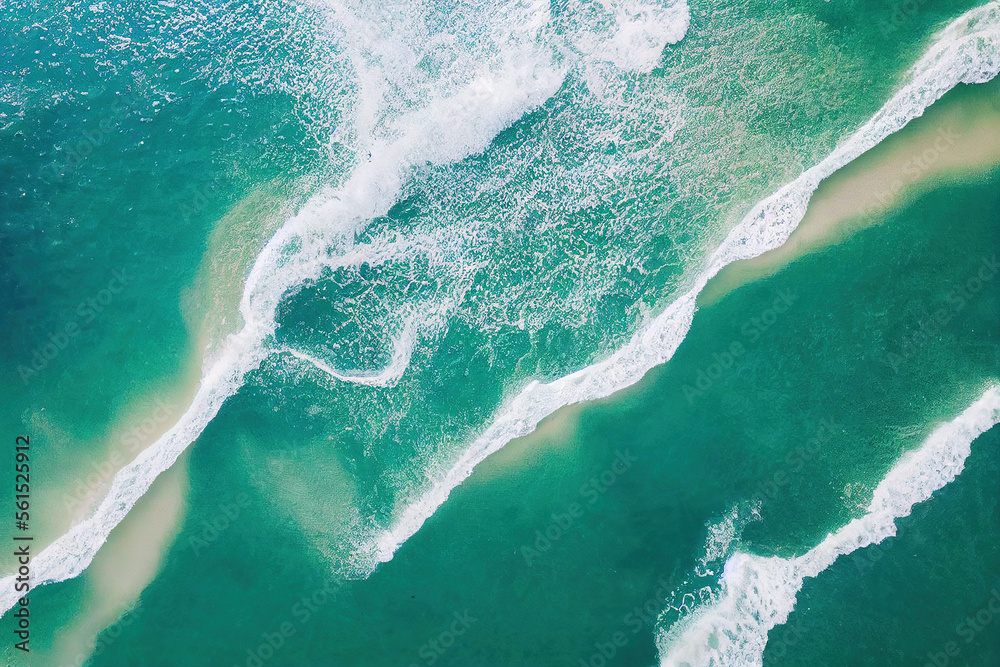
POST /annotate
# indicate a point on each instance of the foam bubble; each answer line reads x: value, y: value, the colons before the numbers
x: 758, y: 593
x: 443, y: 120
x: 967, y: 51
x: 504, y: 64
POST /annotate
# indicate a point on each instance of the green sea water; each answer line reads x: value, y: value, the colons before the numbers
x: 904, y: 601
x: 529, y: 259
x: 112, y: 184
x: 480, y: 555
x: 557, y: 602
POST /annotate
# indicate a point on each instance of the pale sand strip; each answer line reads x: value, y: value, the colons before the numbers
x: 555, y: 431
x: 133, y: 554
x: 965, y: 51
x: 128, y: 563
x: 75, y: 475
x: 956, y: 138
x: 953, y: 140
x: 211, y: 304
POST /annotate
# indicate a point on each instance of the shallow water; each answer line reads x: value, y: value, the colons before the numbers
x: 474, y: 202
x: 552, y: 548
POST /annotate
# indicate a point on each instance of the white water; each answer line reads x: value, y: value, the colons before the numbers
x: 967, y: 51
x: 442, y: 127
x: 387, y: 377
x: 431, y: 318
x: 504, y: 68
x: 759, y: 593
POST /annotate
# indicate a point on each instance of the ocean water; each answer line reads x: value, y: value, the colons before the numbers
x: 353, y: 255
x: 646, y: 472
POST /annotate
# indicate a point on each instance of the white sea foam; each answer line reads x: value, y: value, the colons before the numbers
x: 500, y: 73
x: 69, y: 555
x: 758, y: 593
x: 722, y: 534
x: 967, y: 51
x: 387, y: 377
x: 640, y: 33
x: 428, y: 320
x: 443, y: 128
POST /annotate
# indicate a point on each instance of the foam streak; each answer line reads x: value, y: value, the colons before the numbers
x: 759, y: 593
x: 505, y: 74
x: 967, y: 51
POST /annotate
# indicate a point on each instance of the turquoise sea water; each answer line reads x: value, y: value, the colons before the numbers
x: 557, y: 602
x: 483, y: 197
x: 944, y: 558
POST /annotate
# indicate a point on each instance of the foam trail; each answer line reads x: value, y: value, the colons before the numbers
x: 444, y: 129
x: 69, y: 555
x: 517, y: 73
x: 387, y: 377
x: 447, y: 129
x: 967, y: 51
x: 759, y: 593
